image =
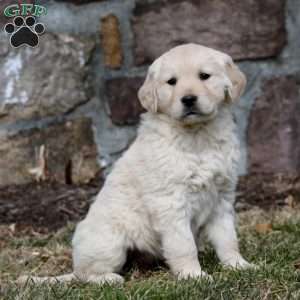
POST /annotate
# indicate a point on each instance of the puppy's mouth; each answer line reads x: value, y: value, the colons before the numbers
x: 191, y: 113
x: 196, y: 113
x: 194, y: 116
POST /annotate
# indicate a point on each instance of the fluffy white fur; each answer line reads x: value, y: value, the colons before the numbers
x: 176, y: 182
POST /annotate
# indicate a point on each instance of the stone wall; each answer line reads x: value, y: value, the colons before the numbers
x: 77, y: 90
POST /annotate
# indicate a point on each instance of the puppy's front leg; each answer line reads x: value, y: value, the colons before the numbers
x: 221, y: 232
x: 180, y: 251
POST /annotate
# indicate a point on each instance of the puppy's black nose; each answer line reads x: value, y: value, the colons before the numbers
x: 189, y: 100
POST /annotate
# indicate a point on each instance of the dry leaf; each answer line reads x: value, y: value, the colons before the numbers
x: 263, y: 228
x: 44, y: 257
x: 289, y: 201
x: 297, y: 265
x: 12, y: 227
x: 40, y: 172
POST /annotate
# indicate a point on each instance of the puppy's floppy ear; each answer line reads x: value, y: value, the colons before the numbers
x: 238, y: 81
x: 147, y: 94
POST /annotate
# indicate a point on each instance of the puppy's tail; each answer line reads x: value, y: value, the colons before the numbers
x: 48, y: 279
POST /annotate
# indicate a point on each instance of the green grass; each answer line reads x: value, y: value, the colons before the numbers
x: 275, y: 253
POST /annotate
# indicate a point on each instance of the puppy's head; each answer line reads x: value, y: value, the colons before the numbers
x: 190, y: 83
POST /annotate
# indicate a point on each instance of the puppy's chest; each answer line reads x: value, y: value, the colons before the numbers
x: 205, y: 171
x: 207, y: 176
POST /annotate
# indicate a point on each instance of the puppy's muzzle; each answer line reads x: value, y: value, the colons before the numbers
x: 189, y: 101
x: 191, y: 108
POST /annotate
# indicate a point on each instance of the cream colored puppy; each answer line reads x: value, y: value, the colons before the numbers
x: 177, y: 180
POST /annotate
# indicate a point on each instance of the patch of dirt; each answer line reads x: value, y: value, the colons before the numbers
x: 45, y: 207
x: 268, y: 190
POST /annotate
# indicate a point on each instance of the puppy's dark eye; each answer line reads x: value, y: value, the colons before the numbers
x: 204, y: 76
x: 172, y: 81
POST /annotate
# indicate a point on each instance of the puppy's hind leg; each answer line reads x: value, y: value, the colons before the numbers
x: 99, y: 255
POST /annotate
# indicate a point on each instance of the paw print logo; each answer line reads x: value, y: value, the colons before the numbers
x: 24, y: 31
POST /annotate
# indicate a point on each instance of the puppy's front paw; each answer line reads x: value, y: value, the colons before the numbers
x: 246, y: 265
x: 239, y: 264
x: 184, y: 275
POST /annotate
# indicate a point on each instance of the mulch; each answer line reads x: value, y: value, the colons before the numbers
x: 269, y: 190
x: 47, y: 206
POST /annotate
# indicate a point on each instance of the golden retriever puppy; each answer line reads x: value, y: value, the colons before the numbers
x: 177, y: 181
